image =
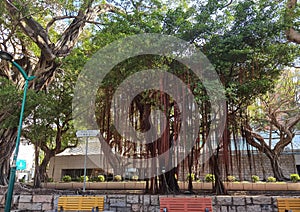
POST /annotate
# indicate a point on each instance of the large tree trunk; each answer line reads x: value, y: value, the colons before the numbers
x: 7, y: 145
x: 277, y: 170
x: 218, y: 186
x: 190, y: 164
x: 258, y: 141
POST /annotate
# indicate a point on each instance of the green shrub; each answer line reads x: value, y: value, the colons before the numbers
x: 22, y: 180
x: 93, y: 179
x: 255, y: 178
x: 209, y: 178
x: 231, y: 178
x: 295, y: 178
x: 66, y: 178
x: 118, y: 178
x: 82, y: 178
x: 271, y: 179
x: 101, y: 178
x: 50, y: 180
x: 192, y: 176
x: 135, y: 177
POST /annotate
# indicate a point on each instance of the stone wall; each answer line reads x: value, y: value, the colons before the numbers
x: 147, y: 203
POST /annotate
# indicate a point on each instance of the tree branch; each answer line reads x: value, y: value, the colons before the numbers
x: 34, y: 30
x: 291, y: 34
x: 87, y: 14
x: 70, y: 36
x: 58, y: 18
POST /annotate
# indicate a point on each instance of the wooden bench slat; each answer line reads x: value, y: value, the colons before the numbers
x: 288, y: 204
x: 80, y: 203
x: 180, y: 204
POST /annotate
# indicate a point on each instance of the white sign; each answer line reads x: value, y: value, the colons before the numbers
x: 87, y: 133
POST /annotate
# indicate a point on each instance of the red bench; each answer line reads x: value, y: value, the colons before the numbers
x: 180, y: 204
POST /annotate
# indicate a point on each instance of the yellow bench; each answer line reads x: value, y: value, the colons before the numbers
x: 288, y: 204
x: 80, y: 203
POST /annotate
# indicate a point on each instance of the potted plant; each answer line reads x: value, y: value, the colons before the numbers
x: 82, y: 178
x: 295, y: 178
x: 271, y: 179
x: 101, y: 178
x: 209, y: 178
x: 231, y: 178
x: 192, y: 176
x: 66, y: 178
x: 118, y: 178
x: 135, y: 177
x: 255, y: 178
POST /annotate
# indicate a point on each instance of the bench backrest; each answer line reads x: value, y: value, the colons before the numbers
x: 180, y: 204
x: 80, y: 202
x: 286, y: 204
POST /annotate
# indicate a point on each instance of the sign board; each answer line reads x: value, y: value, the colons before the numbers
x: 87, y: 133
x: 21, y: 164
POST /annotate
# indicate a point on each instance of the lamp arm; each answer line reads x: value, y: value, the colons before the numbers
x: 20, y: 69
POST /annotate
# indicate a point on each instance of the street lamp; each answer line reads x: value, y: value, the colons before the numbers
x: 8, y: 57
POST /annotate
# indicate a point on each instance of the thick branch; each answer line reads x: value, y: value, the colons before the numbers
x: 252, y: 137
x: 70, y: 36
x: 87, y: 14
x: 291, y: 34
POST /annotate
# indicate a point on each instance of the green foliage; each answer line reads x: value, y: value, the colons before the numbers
x: 118, y: 178
x: 209, y: 178
x: 22, y: 180
x: 271, y: 179
x: 231, y: 178
x: 66, y: 178
x: 82, y: 178
x: 295, y: 178
x: 255, y: 178
x: 101, y: 178
x: 50, y: 180
x: 192, y: 175
x: 135, y: 178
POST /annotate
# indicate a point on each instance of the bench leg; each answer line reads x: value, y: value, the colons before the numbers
x: 206, y: 210
x: 95, y: 209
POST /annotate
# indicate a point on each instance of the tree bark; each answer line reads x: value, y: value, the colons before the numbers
x: 7, y: 146
x: 277, y: 170
x: 272, y: 154
x: 291, y: 34
x: 218, y: 186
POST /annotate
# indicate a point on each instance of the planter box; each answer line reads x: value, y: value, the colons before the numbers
x: 134, y: 185
x: 258, y: 186
x: 140, y: 185
x: 207, y: 186
x: 276, y: 186
x: 79, y: 185
x: 234, y: 186
x: 197, y: 185
x: 293, y: 186
x: 183, y: 185
x: 247, y: 186
x: 98, y: 185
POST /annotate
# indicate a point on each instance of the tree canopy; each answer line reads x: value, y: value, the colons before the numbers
x: 247, y: 42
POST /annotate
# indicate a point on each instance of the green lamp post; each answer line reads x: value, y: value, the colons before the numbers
x: 12, y: 176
